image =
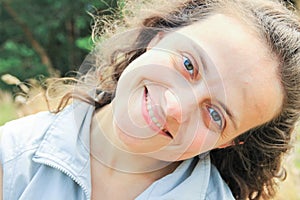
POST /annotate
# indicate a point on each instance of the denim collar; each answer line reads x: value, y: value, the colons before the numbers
x: 66, y: 144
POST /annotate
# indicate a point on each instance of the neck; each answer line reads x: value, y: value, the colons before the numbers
x: 106, y: 149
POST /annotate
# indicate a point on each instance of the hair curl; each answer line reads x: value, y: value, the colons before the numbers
x: 251, y: 165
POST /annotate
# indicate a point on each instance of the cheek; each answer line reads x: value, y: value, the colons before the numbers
x: 202, y: 142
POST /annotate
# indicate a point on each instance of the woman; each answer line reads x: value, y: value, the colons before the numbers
x: 198, y: 103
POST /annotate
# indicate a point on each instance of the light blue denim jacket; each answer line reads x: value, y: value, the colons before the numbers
x: 46, y: 157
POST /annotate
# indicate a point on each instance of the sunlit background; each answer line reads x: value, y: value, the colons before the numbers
x: 46, y: 38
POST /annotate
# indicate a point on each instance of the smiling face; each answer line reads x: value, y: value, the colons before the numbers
x: 196, y: 89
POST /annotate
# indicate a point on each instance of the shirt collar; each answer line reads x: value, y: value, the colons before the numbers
x: 66, y: 144
x: 189, y: 181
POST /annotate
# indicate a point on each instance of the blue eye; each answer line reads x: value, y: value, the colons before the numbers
x: 216, y: 117
x: 188, y: 65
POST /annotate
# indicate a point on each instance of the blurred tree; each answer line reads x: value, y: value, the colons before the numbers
x: 46, y: 37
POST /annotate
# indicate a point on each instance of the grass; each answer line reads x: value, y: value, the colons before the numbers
x: 20, y: 106
x: 8, y: 110
x: 289, y: 189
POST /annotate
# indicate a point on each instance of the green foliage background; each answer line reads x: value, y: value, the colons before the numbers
x: 60, y: 27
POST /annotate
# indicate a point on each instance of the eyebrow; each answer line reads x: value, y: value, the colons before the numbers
x: 229, y: 113
x: 203, y: 57
x: 200, y: 52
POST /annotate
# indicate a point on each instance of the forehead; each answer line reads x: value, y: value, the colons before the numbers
x: 243, y: 71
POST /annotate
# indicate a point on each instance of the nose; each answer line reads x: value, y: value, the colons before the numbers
x: 173, y: 107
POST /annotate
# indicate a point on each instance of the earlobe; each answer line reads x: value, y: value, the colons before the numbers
x: 155, y: 40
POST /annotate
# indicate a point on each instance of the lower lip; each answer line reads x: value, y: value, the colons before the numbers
x: 147, y: 117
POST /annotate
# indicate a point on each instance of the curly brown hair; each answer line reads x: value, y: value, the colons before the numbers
x: 251, y: 166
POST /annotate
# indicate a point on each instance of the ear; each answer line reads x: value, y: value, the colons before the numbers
x: 155, y: 40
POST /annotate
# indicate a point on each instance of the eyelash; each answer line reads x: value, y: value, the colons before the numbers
x: 190, y: 63
x: 220, y: 122
x: 210, y: 109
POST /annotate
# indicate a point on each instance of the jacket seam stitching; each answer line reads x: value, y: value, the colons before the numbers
x: 18, y: 154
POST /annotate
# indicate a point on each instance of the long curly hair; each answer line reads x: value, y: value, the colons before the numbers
x: 251, y: 166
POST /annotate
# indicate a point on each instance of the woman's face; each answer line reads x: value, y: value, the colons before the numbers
x: 196, y: 89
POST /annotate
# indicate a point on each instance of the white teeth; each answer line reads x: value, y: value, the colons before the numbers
x: 151, y: 113
x: 148, y: 106
x: 154, y: 120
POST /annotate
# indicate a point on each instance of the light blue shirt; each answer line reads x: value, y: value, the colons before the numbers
x: 46, y: 156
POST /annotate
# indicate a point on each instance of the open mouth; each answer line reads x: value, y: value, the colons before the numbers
x: 153, y: 117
